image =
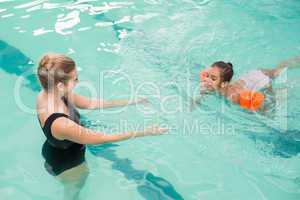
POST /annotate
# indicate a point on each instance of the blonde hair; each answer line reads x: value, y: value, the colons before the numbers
x: 54, y: 68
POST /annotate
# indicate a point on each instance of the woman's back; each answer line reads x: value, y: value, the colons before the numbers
x: 60, y: 155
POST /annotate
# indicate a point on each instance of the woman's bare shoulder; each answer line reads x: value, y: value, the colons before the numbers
x: 41, y: 103
x: 39, y: 98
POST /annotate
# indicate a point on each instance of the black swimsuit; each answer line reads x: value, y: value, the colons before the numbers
x: 61, y: 155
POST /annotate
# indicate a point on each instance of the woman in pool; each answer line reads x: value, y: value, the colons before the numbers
x: 64, y: 149
x: 218, y: 78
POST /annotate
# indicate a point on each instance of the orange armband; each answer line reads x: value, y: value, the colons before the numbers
x: 251, y: 100
x: 203, y: 75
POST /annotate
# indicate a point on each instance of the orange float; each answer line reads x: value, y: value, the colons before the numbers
x: 203, y: 75
x: 251, y: 100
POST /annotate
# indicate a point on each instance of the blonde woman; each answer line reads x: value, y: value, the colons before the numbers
x: 64, y: 148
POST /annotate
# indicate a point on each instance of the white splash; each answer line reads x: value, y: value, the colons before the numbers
x: 51, y: 5
x: 84, y: 28
x: 123, y: 20
x: 83, y: 1
x: 67, y: 22
x: 104, y: 24
x: 31, y: 4
x: 34, y: 8
x: 2, y: 1
x: 25, y: 16
x: 70, y: 51
x: 2, y: 10
x: 108, y: 6
x: 123, y: 34
x: 81, y: 7
x: 142, y: 18
x: 111, y: 48
x: 8, y: 15
x: 121, y: 3
x: 41, y: 31
x: 153, y: 2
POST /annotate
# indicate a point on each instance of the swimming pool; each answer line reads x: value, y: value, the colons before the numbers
x: 155, y: 48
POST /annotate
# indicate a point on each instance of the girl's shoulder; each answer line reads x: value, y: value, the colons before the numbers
x: 238, y: 84
x: 233, y: 93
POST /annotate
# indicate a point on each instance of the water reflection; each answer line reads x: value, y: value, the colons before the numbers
x: 149, y: 186
x: 284, y: 144
x: 14, y: 61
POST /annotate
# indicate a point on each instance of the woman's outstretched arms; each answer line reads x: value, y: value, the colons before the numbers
x: 88, y: 103
x: 65, y: 129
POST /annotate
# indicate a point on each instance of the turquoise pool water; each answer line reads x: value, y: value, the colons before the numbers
x: 155, y: 47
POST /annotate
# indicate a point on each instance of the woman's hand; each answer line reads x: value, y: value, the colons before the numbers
x: 64, y: 128
x: 155, y: 130
x: 143, y: 101
x: 87, y: 103
x: 152, y: 131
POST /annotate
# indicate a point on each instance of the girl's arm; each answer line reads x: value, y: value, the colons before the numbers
x: 233, y: 93
x: 87, y: 103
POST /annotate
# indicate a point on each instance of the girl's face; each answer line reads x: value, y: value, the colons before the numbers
x: 213, y: 80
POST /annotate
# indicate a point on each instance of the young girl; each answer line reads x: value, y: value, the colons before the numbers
x: 247, y: 91
x: 64, y: 148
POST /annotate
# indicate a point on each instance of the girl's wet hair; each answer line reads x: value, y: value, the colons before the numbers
x: 226, y: 70
x: 54, y: 68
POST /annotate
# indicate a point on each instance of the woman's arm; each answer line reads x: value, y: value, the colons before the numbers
x: 65, y: 129
x: 87, y: 103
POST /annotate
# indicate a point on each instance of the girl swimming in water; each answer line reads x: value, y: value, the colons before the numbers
x: 66, y: 137
x: 246, y: 91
